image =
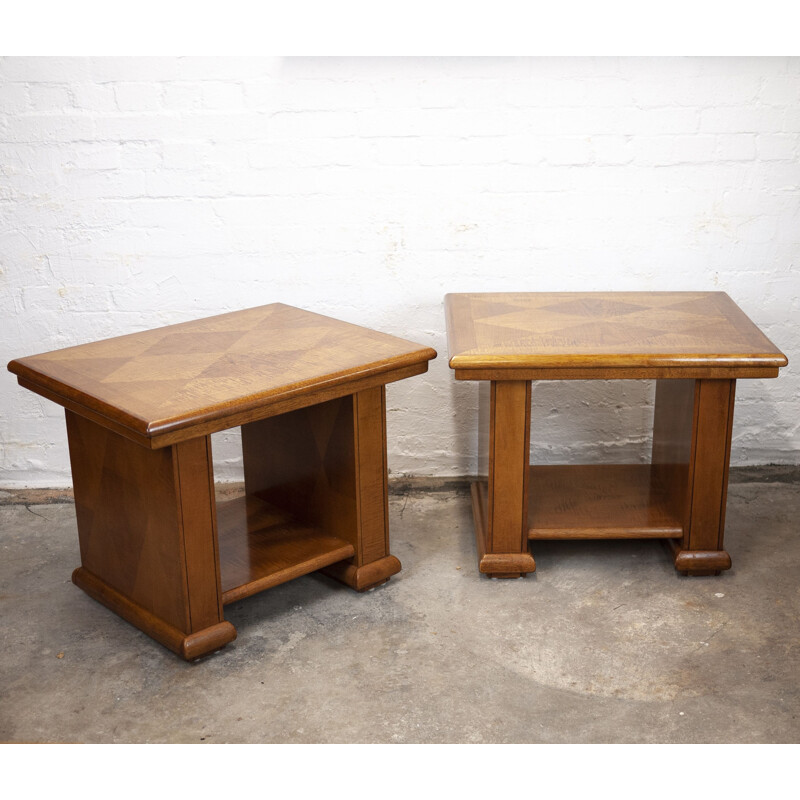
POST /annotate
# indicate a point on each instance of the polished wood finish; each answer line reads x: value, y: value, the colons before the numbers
x: 189, y: 646
x: 691, y: 455
x: 599, y: 501
x: 504, y: 533
x: 195, y: 485
x: 699, y: 562
x: 496, y: 565
x: 326, y: 465
x: 174, y: 383
x: 147, y: 534
x: 604, y: 335
x: 303, y: 462
x: 309, y: 392
x: 694, y: 344
x: 673, y: 422
x: 262, y: 546
x: 711, y: 447
x: 608, y: 373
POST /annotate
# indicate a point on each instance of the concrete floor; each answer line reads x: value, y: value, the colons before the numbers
x: 605, y: 643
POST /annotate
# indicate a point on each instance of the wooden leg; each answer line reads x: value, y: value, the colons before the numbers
x: 691, y: 454
x: 326, y: 464
x: 148, y: 539
x: 500, y: 508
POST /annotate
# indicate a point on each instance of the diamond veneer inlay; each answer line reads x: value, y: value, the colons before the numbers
x: 539, y: 328
x: 182, y: 370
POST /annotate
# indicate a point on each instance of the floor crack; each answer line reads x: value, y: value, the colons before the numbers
x: 403, y: 508
x: 28, y: 508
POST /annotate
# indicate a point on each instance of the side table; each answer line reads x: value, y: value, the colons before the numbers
x: 695, y: 345
x: 309, y: 394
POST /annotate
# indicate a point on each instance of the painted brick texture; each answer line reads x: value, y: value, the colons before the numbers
x: 138, y: 192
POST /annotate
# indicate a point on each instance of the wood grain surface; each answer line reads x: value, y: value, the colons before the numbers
x: 263, y: 546
x: 148, y: 537
x: 569, y: 335
x: 207, y: 375
x: 509, y: 445
x: 695, y: 344
x: 691, y: 457
x: 309, y: 394
x: 599, y: 501
x: 500, y: 505
x: 495, y: 565
x: 303, y: 463
x: 326, y: 466
x: 671, y: 459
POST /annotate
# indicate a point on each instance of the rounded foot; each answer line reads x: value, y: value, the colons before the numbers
x: 702, y: 562
x: 506, y: 565
x: 365, y: 577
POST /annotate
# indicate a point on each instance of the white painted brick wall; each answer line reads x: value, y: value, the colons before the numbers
x: 140, y: 192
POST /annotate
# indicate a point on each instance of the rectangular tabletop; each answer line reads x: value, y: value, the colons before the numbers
x: 172, y: 383
x: 530, y: 335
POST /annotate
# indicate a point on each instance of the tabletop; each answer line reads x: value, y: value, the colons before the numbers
x: 605, y: 330
x: 167, y: 378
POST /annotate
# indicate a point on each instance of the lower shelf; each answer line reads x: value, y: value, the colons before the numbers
x: 596, y: 501
x: 261, y: 546
x: 599, y: 501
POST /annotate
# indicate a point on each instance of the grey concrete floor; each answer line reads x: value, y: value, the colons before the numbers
x: 604, y: 643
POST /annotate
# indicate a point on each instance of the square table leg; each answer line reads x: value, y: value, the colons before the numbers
x: 148, y: 539
x: 691, y: 455
x: 500, y: 508
x: 326, y: 464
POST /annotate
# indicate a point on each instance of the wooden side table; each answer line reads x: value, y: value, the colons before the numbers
x: 694, y: 344
x: 309, y: 394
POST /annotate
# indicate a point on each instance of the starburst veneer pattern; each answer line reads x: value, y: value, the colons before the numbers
x: 309, y: 394
x: 695, y: 344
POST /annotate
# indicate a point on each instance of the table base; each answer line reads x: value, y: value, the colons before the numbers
x: 157, y: 550
x: 680, y: 497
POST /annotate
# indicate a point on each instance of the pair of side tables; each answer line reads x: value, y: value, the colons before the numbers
x: 309, y: 394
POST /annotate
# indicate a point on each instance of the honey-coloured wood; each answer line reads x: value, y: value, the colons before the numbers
x: 599, y: 501
x: 699, y: 562
x: 502, y: 539
x: 691, y: 455
x: 495, y: 565
x: 188, y: 646
x: 604, y: 335
x: 372, y: 475
x: 309, y: 393
x: 178, y: 382
x: 711, y: 447
x: 608, y: 373
x: 694, y: 344
x: 303, y: 462
x: 262, y: 546
x: 673, y: 423
x: 194, y: 477
x: 147, y: 534
x: 326, y: 466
